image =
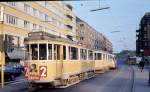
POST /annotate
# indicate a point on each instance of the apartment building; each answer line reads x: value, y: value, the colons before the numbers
x: 143, y: 36
x: 19, y: 18
x: 90, y: 38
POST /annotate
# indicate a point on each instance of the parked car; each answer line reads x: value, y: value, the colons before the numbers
x: 18, y: 69
x: 8, y: 73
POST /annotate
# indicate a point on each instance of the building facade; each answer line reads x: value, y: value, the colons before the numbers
x: 90, y: 38
x: 20, y: 18
x: 143, y: 36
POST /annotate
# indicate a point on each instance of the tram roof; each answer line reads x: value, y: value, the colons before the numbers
x: 40, y: 35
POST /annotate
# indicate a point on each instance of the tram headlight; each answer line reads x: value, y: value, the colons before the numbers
x: 33, y: 68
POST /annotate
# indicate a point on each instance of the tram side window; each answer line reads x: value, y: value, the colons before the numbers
x: 64, y: 52
x: 95, y: 55
x: 42, y: 52
x: 83, y: 54
x: 56, y: 52
x: 50, y: 51
x: 73, y: 53
x: 34, y: 51
x: 98, y: 56
x: 90, y: 55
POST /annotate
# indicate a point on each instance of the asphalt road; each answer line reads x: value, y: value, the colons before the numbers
x: 119, y: 80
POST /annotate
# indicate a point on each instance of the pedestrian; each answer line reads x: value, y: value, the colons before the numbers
x: 141, y: 65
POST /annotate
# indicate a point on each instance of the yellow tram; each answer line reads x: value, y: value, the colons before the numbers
x: 60, y: 62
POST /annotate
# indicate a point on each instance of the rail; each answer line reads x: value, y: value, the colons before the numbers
x: 133, y: 79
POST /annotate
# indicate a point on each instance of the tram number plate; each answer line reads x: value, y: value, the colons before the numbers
x: 43, y: 71
x: 26, y: 71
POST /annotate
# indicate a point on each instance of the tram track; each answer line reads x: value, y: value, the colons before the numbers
x: 133, y: 79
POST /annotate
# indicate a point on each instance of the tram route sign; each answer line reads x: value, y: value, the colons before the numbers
x: 35, y: 75
x: 43, y: 71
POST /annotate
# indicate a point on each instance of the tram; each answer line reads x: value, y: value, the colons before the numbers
x: 59, y: 62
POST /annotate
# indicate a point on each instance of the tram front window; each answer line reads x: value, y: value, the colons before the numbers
x: 42, y: 52
x: 34, y: 50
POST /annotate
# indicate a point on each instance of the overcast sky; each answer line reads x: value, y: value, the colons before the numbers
x: 123, y: 16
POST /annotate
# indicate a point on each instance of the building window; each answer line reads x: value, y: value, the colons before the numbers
x: 26, y: 8
x: 145, y: 36
x: 81, y: 25
x: 40, y: 28
x: 145, y: 43
x: 34, y: 12
x: 34, y: 26
x: 12, y: 4
x: 26, y: 24
x: 11, y: 19
x: 46, y: 18
x: 81, y: 38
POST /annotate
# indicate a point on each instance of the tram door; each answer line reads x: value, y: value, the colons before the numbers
x: 58, y: 57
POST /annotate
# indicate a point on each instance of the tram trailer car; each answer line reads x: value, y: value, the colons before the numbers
x: 60, y: 62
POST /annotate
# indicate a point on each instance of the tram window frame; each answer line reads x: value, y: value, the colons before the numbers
x: 35, y: 57
x: 104, y: 57
x: 50, y: 52
x: 90, y: 55
x: 73, y: 53
x: 43, y: 52
x: 83, y: 54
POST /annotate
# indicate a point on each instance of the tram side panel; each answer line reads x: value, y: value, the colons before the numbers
x: 41, y: 72
x: 99, y: 66
x: 77, y: 67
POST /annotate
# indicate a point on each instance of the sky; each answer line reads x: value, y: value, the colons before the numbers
x: 123, y: 16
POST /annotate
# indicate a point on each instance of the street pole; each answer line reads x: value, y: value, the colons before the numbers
x: 3, y: 57
x: 2, y: 51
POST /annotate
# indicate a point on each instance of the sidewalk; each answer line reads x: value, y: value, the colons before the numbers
x: 141, y: 80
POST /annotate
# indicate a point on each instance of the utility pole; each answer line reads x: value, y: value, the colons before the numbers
x: 2, y: 56
x: 2, y: 51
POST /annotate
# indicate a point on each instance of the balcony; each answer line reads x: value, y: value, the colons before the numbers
x: 69, y: 27
x: 69, y: 7
x: 69, y: 16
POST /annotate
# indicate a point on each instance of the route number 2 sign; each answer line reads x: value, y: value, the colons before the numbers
x: 43, y: 71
